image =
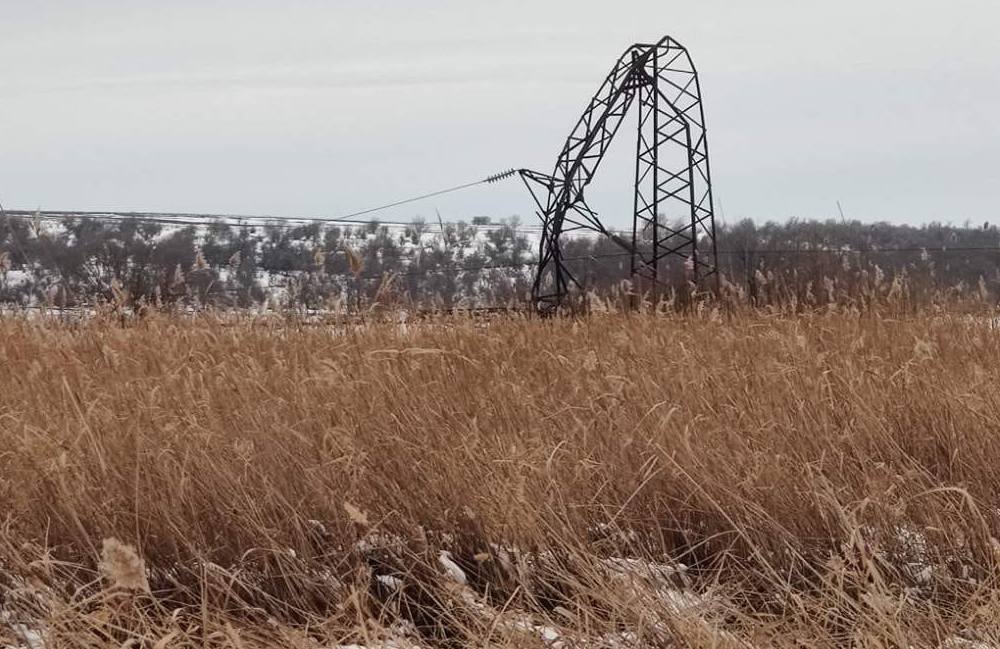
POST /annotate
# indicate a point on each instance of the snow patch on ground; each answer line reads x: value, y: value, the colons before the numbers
x: 24, y: 636
x: 956, y: 642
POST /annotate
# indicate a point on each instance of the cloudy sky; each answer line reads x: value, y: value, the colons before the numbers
x: 318, y: 108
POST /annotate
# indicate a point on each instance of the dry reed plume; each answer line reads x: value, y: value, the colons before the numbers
x: 618, y: 481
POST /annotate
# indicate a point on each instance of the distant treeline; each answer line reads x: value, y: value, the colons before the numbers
x: 82, y: 261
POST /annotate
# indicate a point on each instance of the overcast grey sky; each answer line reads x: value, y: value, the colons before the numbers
x: 312, y: 108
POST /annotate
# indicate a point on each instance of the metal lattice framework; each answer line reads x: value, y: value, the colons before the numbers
x: 673, y: 215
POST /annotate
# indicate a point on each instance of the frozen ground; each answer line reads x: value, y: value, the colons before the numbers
x: 661, y: 588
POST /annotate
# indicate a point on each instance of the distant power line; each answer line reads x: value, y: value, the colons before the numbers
x: 208, y: 220
x: 867, y: 251
x: 290, y: 223
x: 237, y: 221
x: 616, y: 255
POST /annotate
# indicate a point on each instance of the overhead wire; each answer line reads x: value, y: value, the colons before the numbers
x: 290, y: 223
x: 196, y: 219
x: 618, y: 255
x: 241, y: 222
x: 148, y: 217
x: 181, y: 220
x: 485, y: 181
x: 270, y: 222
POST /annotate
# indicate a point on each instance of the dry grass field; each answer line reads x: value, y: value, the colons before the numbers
x: 620, y: 481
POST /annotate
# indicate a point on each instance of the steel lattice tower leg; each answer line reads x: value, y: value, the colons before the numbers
x: 673, y: 217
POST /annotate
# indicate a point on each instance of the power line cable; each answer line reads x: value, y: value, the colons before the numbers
x: 490, y: 180
x: 618, y: 255
x: 234, y: 222
x: 183, y: 220
x: 143, y: 217
x: 207, y: 219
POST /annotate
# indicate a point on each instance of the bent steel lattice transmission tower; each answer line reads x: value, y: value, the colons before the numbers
x: 673, y: 224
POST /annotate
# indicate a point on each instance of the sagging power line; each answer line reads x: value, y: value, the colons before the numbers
x: 163, y: 219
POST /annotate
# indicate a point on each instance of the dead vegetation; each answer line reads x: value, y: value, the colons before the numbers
x: 820, y: 480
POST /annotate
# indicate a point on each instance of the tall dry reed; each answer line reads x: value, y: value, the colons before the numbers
x: 648, y: 480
